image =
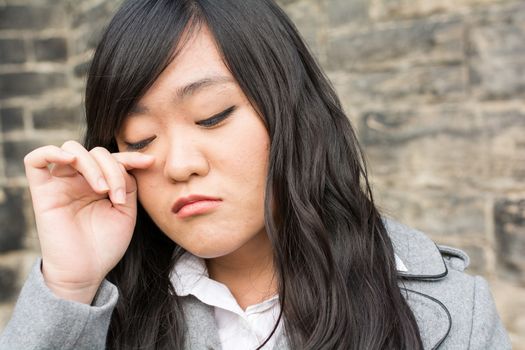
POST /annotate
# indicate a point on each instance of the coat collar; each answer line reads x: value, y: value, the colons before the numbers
x: 423, y: 262
x: 419, y: 253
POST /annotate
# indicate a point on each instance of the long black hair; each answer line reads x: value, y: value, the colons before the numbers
x: 338, y: 285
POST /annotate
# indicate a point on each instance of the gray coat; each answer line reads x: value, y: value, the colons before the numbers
x: 453, y: 310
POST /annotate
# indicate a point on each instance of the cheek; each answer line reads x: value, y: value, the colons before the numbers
x: 147, y: 191
x: 248, y: 156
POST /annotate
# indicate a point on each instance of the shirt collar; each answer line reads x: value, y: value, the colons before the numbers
x: 190, y: 276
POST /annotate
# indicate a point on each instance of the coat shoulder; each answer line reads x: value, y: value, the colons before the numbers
x: 450, y: 305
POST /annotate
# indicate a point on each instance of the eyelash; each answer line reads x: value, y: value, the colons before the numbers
x: 207, y: 123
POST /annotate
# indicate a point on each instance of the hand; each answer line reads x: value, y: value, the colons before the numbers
x: 85, y: 210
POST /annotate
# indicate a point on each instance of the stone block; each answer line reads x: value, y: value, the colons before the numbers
x: 12, y: 219
x: 397, y: 126
x: 29, y: 83
x: 426, y: 84
x: 8, y: 281
x: 87, y: 39
x: 477, y: 257
x: 424, y: 147
x: 505, y: 132
x: 52, y: 49
x: 14, y: 153
x: 12, y: 51
x: 30, y: 17
x: 497, y: 68
x: 509, y: 219
x: 310, y: 20
x: 410, y: 43
x: 397, y: 9
x: 12, y: 119
x: 342, y: 12
x: 68, y: 118
x: 102, y: 10
x: 81, y: 69
x: 283, y: 3
x: 446, y: 213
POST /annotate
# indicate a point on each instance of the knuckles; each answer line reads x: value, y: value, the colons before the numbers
x: 99, y: 149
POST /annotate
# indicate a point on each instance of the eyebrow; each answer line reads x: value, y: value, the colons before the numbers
x: 187, y: 90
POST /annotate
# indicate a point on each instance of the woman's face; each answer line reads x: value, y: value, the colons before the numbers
x: 207, y: 140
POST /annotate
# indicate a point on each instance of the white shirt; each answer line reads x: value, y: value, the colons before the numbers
x: 238, y: 328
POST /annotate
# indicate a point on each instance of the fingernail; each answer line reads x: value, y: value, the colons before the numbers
x: 120, y: 196
x: 67, y: 154
x: 102, y: 184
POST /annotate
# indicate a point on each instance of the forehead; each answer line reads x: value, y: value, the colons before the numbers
x: 197, y: 60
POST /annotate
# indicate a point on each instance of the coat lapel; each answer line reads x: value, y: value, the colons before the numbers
x: 432, y: 317
x: 201, y: 330
x: 423, y: 262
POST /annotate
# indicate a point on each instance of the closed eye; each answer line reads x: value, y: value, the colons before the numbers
x: 139, y: 145
x: 216, y: 119
x: 207, y: 123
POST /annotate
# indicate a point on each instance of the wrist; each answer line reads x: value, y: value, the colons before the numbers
x: 74, y: 291
x: 84, y: 295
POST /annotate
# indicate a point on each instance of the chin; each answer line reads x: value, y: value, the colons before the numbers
x: 212, y: 249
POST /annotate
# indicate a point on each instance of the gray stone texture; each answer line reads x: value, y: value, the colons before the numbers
x: 11, y: 119
x: 31, y: 17
x: 29, y: 83
x: 12, y: 220
x: 57, y: 118
x: 12, y: 51
x: 52, y: 49
x: 509, y: 216
x: 435, y: 90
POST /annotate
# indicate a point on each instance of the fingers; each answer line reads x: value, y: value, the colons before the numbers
x: 36, y: 162
x: 87, y: 166
x: 113, y: 173
x: 103, y: 171
x: 134, y: 160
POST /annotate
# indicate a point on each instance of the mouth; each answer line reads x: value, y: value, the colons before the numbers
x: 194, y: 205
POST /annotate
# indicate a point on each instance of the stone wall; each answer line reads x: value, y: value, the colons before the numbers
x: 45, y: 47
x: 434, y: 87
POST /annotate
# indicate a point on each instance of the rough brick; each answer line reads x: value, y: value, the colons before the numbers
x: 396, y: 127
x: 478, y: 260
x: 437, y: 212
x: 496, y: 67
x: 81, y: 69
x: 342, y: 12
x: 29, y: 83
x: 29, y: 17
x: 415, y: 42
x: 427, y: 84
x: 509, y: 218
x: 12, y: 119
x: 8, y: 278
x: 87, y: 40
x: 14, y: 153
x: 309, y: 19
x: 53, y: 49
x: 57, y: 118
x: 398, y: 9
x: 12, y: 51
x: 103, y: 10
x: 432, y: 148
x: 505, y: 132
x: 12, y: 219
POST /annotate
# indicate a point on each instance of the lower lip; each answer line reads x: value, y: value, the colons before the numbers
x: 196, y: 208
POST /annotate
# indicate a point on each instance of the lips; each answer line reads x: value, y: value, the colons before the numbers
x: 181, y: 202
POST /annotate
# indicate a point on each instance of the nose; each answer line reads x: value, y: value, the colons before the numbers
x: 185, y: 157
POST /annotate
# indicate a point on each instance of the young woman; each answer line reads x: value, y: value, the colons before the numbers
x: 220, y: 200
